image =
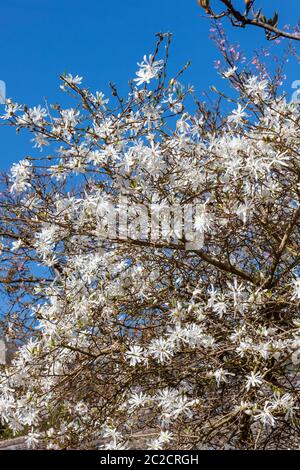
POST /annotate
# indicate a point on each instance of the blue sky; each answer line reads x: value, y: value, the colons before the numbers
x: 103, y: 40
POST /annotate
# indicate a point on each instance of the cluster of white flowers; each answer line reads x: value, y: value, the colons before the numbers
x: 148, y: 69
x: 20, y: 176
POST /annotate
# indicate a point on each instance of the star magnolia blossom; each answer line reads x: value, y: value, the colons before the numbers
x: 148, y: 69
x: 121, y: 336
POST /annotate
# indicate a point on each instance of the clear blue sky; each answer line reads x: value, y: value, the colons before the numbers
x: 102, y: 40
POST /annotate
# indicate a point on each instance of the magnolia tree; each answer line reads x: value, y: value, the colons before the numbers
x: 149, y: 261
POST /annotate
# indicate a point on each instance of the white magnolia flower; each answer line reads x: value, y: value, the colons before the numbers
x: 32, y: 439
x: 177, y: 334
x: 20, y: 176
x: 37, y: 114
x: 70, y: 117
x: 135, y: 355
x: 286, y: 403
x: 253, y: 380
x: 183, y: 405
x: 10, y: 109
x: 242, y: 211
x: 220, y: 306
x: 157, y: 444
x: 74, y: 80
x: 236, y: 291
x: 221, y: 375
x: 111, y: 433
x: 161, y: 349
x: 238, y: 115
x: 138, y: 399
x: 229, y: 72
x: 257, y: 87
x: 40, y: 141
x: 100, y: 99
x: 265, y: 416
x: 148, y: 70
x: 115, y: 438
x: 165, y: 437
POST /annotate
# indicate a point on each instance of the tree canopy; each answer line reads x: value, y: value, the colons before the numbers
x: 188, y: 336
